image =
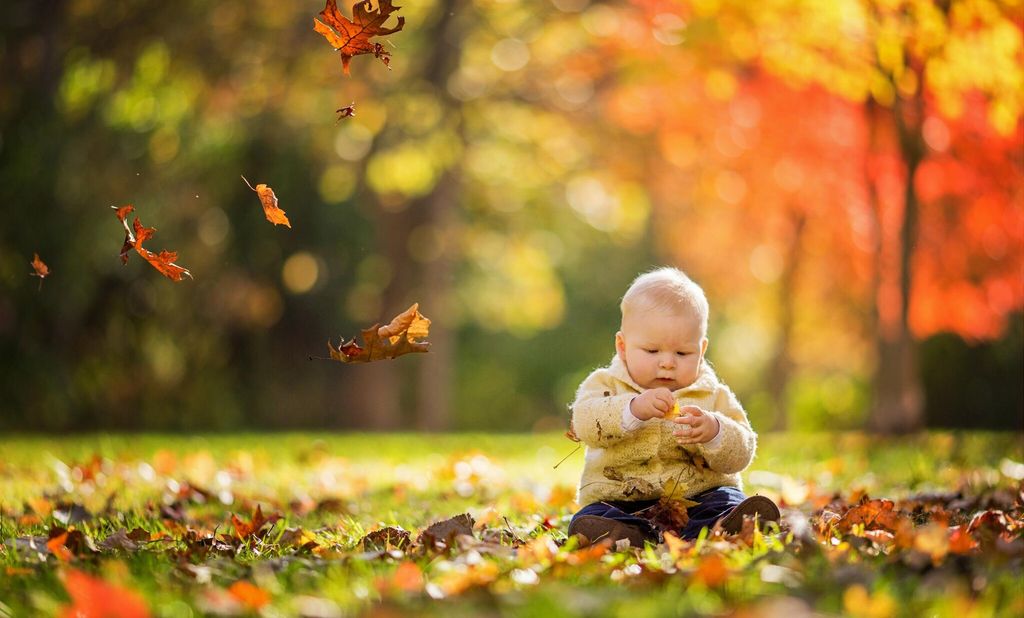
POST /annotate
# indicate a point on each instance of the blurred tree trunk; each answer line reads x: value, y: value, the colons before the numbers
x: 897, y: 406
x: 782, y: 363
x: 377, y: 388
x: 436, y: 370
x: 436, y: 373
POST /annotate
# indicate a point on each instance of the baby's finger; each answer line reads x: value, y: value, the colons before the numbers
x: 691, y: 410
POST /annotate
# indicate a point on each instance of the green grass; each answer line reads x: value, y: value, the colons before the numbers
x: 509, y: 482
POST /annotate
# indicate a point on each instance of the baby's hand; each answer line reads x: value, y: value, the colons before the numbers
x: 695, y: 426
x: 653, y: 403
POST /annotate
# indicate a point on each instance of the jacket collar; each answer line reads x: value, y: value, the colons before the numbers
x: 706, y: 379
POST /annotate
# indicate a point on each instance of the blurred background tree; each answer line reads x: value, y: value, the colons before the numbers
x: 843, y: 178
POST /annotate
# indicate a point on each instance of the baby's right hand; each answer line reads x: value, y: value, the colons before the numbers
x: 655, y: 402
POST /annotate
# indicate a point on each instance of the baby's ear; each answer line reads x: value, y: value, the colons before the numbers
x: 620, y: 346
x: 703, y: 346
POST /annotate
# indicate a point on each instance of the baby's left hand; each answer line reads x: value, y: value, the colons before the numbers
x: 695, y: 426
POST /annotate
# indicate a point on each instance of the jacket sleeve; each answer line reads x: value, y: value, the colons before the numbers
x: 739, y: 442
x: 597, y: 410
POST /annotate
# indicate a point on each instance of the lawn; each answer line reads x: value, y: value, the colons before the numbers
x: 167, y: 525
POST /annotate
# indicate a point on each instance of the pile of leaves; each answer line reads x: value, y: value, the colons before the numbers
x: 80, y: 546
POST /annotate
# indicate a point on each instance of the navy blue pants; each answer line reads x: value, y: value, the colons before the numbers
x: 714, y: 504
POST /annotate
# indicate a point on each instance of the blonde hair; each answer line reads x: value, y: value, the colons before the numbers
x: 667, y: 289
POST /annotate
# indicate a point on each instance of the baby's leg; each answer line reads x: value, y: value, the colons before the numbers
x: 714, y: 504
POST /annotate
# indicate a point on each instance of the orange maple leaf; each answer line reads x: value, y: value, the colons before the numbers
x: 380, y: 342
x: 163, y: 262
x: 274, y: 214
x: 41, y: 269
x: 352, y: 38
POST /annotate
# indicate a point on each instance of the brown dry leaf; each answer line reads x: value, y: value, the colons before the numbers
x: 270, y: 210
x: 446, y: 531
x: 133, y: 239
x: 668, y: 515
x: 385, y: 539
x: 352, y: 38
x: 391, y: 341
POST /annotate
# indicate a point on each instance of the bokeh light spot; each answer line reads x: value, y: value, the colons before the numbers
x: 300, y: 272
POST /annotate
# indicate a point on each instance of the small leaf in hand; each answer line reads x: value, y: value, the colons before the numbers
x: 133, y: 239
x: 41, y: 269
x: 395, y: 339
x: 345, y: 112
x: 352, y: 38
x: 274, y: 214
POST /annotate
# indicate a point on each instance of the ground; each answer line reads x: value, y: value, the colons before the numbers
x: 339, y: 525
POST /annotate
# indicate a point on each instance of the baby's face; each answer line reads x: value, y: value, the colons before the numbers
x: 661, y: 349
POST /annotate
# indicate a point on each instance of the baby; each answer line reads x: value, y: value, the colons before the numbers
x: 657, y: 420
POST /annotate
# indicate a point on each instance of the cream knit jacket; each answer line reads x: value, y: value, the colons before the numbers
x: 637, y: 464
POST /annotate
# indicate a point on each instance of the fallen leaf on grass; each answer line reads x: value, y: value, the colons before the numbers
x: 133, y: 239
x: 270, y: 210
x: 244, y: 529
x: 442, y: 534
x: 384, y: 539
x: 386, y: 342
x: 352, y: 38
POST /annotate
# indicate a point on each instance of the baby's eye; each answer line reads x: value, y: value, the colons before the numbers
x: 649, y: 351
x: 682, y: 353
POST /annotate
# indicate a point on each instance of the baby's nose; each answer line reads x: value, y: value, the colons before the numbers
x: 667, y: 361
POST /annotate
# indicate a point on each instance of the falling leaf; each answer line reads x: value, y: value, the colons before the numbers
x: 345, y: 112
x: 133, y: 239
x: 41, y: 269
x: 397, y: 338
x: 270, y: 210
x: 94, y: 598
x: 352, y: 38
